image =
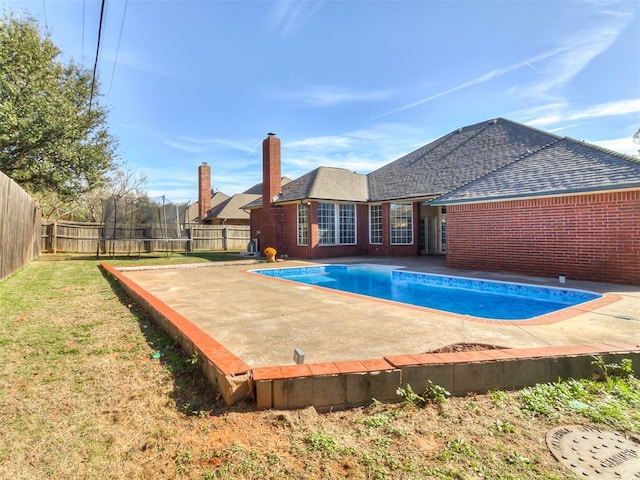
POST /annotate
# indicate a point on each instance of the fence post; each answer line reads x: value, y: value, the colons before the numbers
x: 224, y: 238
x: 54, y: 236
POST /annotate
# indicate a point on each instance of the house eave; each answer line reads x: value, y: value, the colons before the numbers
x: 527, y: 196
x: 421, y: 199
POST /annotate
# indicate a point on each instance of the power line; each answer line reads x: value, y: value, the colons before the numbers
x: 95, y: 63
x: 83, y: 17
x: 124, y: 13
x: 44, y: 9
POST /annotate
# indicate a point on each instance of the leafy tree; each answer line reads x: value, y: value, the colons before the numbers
x: 52, y: 141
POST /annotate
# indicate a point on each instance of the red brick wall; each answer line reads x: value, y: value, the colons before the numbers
x: 290, y: 247
x: 587, y: 237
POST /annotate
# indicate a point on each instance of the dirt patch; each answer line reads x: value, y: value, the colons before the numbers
x: 465, y: 347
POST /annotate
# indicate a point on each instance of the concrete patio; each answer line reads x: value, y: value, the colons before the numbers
x: 262, y: 320
x: 255, y: 323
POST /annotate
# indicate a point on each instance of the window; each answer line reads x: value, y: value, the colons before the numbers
x: 401, y: 223
x: 347, y: 224
x: 303, y: 224
x: 340, y: 229
x: 326, y: 224
x: 375, y: 224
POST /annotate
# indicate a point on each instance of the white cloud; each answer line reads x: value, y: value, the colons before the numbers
x: 182, y: 147
x: 572, y: 56
x: 491, y: 75
x: 233, y: 145
x: 556, y: 113
x: 288, y: 15
x: 325, y: 143
x: 137, y: 61
x: 623, y: 145
x: 324, y: 96
x: 555, y: 67
x: 361, y: 150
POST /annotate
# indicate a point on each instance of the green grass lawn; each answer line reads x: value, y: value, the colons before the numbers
x: 83, y: 394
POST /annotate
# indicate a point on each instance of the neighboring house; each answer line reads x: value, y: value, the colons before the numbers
x: 496, y: 196
x: 194, y: 209
x: 229, y: 211
x: 217, y: 208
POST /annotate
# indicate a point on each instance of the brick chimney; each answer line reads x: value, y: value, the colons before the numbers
x: 204, y: 190
x: 271, y: 176
x: 270, y: 215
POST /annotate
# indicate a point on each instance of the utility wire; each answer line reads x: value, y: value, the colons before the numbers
x: 83, y: 17
x: 95, y: 63
x: 115, y: 63
x: 44, y: 9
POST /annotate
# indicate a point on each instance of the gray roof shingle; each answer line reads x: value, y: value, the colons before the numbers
x: 327, y: 183
x: 455, y: 159
x: 566, y: 166
x: 231, y: 208
x: 323, y: 183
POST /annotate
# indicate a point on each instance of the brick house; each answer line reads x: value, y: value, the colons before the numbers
x: 494, y: 196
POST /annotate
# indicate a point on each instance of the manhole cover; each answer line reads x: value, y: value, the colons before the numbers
x: 593, y: 453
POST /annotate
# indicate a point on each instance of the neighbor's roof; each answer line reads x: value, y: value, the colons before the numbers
x: 564, y: 167
x: 231, y: 208
x: 216, y: 198
x: 257, y: 188
x: 455, y: 159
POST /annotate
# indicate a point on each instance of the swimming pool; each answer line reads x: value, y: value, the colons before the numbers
x: 467, y: 296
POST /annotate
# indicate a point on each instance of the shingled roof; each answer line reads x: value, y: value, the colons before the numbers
x: 566, y: 166
x: 455, y: 159
x: 323, y: 183
x: 327, y: 183
x: 494, y: 159
x: 231, y: 208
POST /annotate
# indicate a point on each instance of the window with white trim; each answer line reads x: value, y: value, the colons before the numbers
x: 375, y: 224
x: 303, y: 224
x: 401, y: 219
x: 347, y: 224
x: 337, y: 229
x: 326, y: 224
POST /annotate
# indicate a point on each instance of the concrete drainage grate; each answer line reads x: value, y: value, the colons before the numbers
x: 593, y: 453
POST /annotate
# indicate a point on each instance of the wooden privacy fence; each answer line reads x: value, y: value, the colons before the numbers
x: 19, y: 227
x: 219, y: 237
x: 81, y: 237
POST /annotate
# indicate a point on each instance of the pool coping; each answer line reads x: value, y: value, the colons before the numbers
x: 348, y: 383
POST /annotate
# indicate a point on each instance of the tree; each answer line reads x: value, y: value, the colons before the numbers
x: 88, y: 207
x: 52, y: 142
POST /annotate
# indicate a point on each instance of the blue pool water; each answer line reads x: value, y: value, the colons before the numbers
x: 467, y: 296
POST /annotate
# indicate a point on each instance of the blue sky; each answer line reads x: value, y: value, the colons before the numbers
x: 352, y: 84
